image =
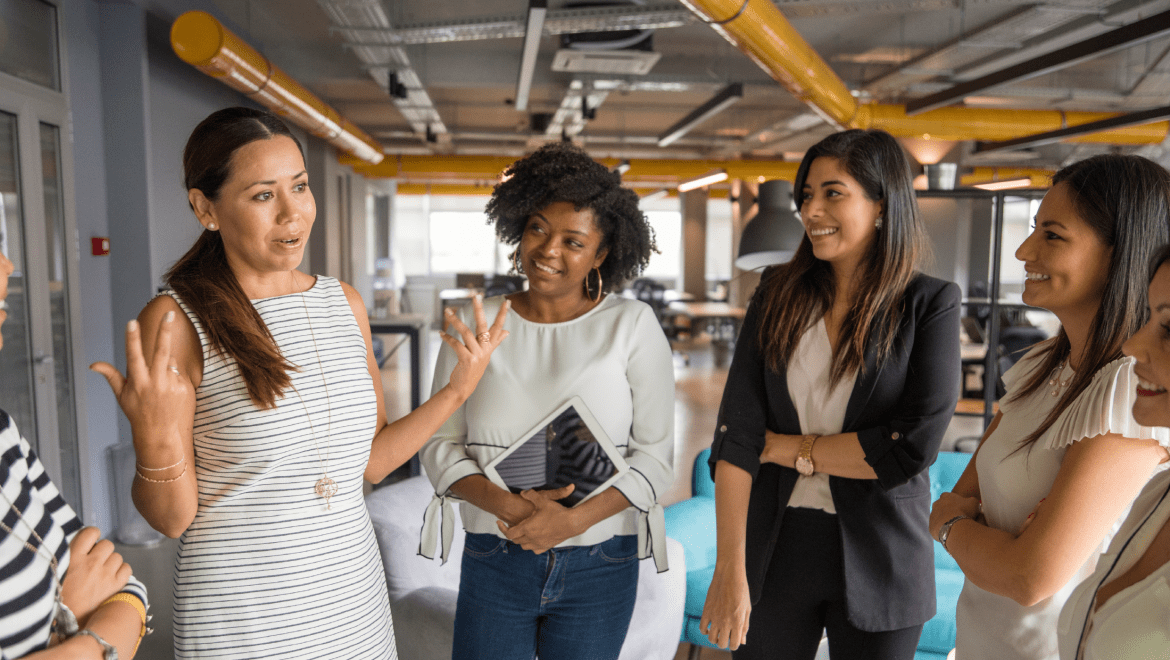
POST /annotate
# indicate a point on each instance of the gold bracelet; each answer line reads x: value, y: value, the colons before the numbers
x: 140, y: 466
x: 136, y: 603
x: 143, y: 477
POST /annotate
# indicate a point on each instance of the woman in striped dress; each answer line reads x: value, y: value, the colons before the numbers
x: 256, y: 408
x: 63, y: 593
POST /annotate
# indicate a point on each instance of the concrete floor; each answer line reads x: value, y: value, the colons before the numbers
x: 699, y: 381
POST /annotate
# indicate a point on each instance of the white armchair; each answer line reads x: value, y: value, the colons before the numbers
x: 423, y: 592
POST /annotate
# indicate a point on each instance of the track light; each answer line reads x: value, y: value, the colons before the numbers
x: 622, y: 167
x: 537, y: 10
x: 657, y: 194
x: 1007, y: 184
x: 705, y: 180
x: 718, y: 103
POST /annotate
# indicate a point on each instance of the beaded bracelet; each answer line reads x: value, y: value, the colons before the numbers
x: 140, y: 466
x: 143, y: 477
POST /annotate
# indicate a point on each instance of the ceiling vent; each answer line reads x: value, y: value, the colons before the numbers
x: 611, y: 62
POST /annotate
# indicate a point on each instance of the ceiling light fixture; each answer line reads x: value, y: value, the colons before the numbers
x: 622, y: 167
x: 537, y: 10
x: 705, y: 180
x: 657, y: 194
x: 1008, y: 184
x: 774, y: 234
x: 716, y: 104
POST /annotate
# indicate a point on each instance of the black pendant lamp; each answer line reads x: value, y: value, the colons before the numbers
x: 774, y: 234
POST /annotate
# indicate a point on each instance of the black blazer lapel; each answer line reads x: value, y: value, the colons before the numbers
x: 864, y: 386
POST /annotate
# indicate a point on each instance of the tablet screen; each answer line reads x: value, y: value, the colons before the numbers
x: 564, y: 451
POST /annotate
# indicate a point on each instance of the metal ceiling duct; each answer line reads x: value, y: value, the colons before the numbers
x: 203, y: 42
x: 758, y: 29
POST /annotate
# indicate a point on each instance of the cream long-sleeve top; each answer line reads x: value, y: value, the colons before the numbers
x: 616, y: 358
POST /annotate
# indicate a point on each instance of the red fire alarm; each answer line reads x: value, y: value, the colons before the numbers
x: 101, y: 246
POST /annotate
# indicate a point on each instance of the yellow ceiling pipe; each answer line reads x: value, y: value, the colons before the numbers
x: 203, y: 42
x: 993, y: 124
x: 489, y: 168
x: 473, y: 190
x: 758, y: 29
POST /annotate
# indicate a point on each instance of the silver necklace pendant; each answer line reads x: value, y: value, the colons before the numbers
x: 326, y: 488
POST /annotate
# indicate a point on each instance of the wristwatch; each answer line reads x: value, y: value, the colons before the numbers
x: 804, y: 463
x: 108, y: 650
x: 944, y: 532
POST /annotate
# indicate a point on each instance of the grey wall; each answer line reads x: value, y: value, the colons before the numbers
x: 80, y: 28
x: 948, y: 224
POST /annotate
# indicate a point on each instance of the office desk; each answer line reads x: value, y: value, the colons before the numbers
x: 413, y: 326
x: 723, y: 317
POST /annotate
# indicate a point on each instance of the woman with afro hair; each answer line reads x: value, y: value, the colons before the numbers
x: 539, y: 578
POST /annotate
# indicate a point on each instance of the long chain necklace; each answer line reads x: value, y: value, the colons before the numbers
x: 63, y: 618
x: 325, y: 487
x: 1056, y: 383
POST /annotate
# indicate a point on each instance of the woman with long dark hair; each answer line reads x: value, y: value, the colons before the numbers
x: 256, y: 407
x: 1121, y: 611
x: 844, y: 379
x: 1064, y: 435
x: 543, y: 575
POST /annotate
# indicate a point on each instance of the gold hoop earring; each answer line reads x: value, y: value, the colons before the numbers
x: 516, y: 262
x: 590, y: 295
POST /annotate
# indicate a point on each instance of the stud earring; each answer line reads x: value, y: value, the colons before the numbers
x: 878, y: 223
x: 211, y: 226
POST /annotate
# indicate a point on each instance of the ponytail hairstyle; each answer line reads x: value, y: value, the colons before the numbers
x: 1125, y: 200
x: 202, y: 277
x: 794, y: 294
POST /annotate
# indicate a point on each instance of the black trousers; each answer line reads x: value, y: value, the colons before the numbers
x: 804, y: 596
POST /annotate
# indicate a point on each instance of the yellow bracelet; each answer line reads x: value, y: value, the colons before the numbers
x: 136, y: 603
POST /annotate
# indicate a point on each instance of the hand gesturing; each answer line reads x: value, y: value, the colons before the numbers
x: 475, y: 350
x: 158, y: 399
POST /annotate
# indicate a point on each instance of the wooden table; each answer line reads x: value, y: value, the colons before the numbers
x: 725, y: 317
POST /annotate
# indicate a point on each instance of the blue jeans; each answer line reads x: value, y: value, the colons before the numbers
x: 571, y: 603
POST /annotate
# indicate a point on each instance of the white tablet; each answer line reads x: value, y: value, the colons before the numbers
x: 567, y: 447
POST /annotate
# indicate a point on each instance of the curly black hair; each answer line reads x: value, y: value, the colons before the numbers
x: 562, y: 172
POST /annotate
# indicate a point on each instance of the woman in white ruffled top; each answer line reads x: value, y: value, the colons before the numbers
x: 1063, y: 459
x: 1122, y: 612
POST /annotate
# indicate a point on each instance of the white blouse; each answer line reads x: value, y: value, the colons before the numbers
x: 616, y: 358
x: 1135, y: 623
x: 1011, y: 483
x: 820, y: 407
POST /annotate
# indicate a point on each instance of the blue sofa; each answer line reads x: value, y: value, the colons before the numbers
x: 692, y: 523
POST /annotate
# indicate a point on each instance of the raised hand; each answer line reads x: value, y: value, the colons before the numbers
x: 95, y: 573
x: 475, y: 350
x: 549, y: 524
x: 159, y: 400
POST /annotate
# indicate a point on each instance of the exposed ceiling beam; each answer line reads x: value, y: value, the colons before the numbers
x: 1040, y: 139
x: 380, y: 59
x: 537, y: 9
x: 716, y: 104
x: 947, y: 45
x: 558, y: 21
x: 1135, y: 33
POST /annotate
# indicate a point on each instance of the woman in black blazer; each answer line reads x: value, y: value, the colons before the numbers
x: 844, y: 379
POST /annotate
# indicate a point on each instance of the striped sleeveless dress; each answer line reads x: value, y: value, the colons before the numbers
x: 265, y: 570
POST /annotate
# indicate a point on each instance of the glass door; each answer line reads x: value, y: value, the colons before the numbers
x: 38, y: 370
